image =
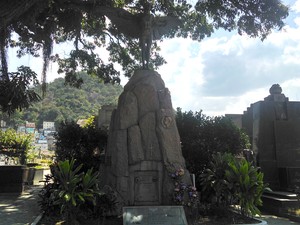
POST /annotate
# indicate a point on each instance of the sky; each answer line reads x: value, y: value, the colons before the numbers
x: 225, y: 73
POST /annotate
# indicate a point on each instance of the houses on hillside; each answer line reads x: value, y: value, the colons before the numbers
x: 44, y: 140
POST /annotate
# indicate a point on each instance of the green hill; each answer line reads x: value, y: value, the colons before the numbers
x: 63, y: 102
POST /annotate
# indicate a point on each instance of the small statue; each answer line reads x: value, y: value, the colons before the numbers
x: 146, y: 38
x: 143, y: 26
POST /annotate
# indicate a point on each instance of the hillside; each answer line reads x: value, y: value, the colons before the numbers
x: 63, y: 102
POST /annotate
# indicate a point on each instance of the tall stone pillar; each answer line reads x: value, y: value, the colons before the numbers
x: 144, y: 144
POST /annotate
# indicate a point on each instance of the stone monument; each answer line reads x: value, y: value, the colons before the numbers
x: 144, y: 144
x: 274, y: 127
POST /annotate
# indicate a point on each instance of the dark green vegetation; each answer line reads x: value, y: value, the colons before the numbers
x: 34, y: 26
x: 15, y: 93
x: 85, y: 144
x: 63, y: 102
x: 74, y: 188
x: 202, y: 136
x: 213, y: 149
x: 73, y: 194
x: 229, y: 180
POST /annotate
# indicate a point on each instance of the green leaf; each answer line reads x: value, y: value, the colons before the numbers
x: 73, y: 201
x: 67, y: 197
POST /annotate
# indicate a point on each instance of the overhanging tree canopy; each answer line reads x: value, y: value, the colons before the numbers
x: 89, y: 24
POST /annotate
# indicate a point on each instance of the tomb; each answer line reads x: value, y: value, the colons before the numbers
x: 274, y: 127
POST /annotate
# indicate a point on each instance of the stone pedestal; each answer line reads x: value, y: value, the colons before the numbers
x: 12, y: 179
x: 144, y: 144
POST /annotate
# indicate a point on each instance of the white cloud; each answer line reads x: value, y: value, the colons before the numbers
x: 225, y: 74
x: 296, y: 6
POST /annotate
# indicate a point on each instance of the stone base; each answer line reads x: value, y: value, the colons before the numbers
x: 149, y: 215
x: 12, y: 179
x: 280, y: 203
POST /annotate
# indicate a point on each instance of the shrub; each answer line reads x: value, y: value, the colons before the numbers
x: 232, y: 180
x: 70, y: 192
x: 202, y: 136
x: 246, y: 184
x: 15, y: 144
x: 215, y: 191
x: 82, y: 143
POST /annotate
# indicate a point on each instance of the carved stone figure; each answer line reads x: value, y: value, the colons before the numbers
x: 144, y: 26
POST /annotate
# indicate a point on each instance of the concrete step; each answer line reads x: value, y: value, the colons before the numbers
x: 281, y: 203
x: 281, y: 194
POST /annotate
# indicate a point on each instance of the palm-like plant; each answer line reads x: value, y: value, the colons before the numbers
x: 74, y: 188
x: 214, y: 186
x: 246, y: 184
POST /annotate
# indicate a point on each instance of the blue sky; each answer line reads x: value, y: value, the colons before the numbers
x: 226, y: 72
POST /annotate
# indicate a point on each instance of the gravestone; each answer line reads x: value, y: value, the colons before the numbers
x: 273, y: 126
x: 154, y: 215
x: 144, y: 145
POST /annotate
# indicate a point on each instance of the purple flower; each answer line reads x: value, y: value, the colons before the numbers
x: 183, y: 186
x: 179, y: 197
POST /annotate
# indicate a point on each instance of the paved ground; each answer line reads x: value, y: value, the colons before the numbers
x: 23, y: 209
x: 19, y: 209
x: 274, y: 220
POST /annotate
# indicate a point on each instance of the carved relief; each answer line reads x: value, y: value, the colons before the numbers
x: 166, y: 118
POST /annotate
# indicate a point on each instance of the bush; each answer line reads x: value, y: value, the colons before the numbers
x: 13, y: 144
x: 84, y: 144
x: 231, y: 180
x: 71, y: 193
x: 202, y: 136
x: 215, y: 191
x: 246, y: 184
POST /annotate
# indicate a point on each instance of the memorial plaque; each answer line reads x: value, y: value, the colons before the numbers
x: 146, y: 187
x: 154, y: 215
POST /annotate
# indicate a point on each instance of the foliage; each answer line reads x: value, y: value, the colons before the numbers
x: 90, y: 122
x: 214, y: 187
x: 85, y: 23
x: 106, y: 203
x: 63, y: 102
x: 47, y: 198
x: 230, y: 180
x: 85, y: 144
x: 202, y: 136
x: 15, y: 90
x: 247, y: 185
x: 15, y: 144
x: 68, y: 188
